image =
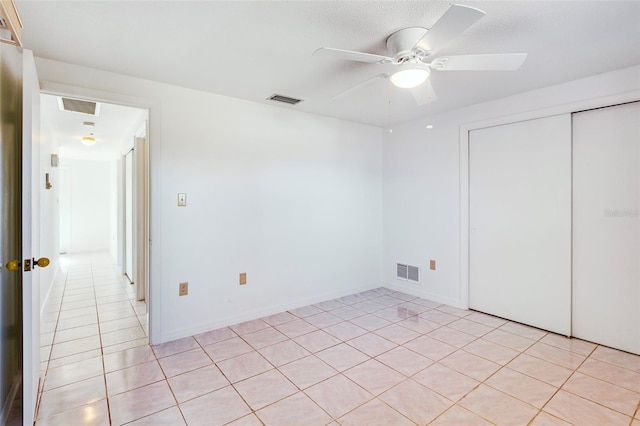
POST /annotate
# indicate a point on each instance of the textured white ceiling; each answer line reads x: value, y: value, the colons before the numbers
x: 251, y: 50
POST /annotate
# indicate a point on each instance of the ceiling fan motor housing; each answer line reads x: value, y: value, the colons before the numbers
x: 400, y: 44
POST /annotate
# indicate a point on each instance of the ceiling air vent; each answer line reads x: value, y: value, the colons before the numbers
x: 78, y: 105
x: 284, y: 99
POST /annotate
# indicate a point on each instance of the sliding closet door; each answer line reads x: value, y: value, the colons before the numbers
x: 520, y: 222
x: 606, y: 223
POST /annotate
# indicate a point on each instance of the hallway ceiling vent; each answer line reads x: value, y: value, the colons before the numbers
x: 78, y: 105
x: 284, y: 99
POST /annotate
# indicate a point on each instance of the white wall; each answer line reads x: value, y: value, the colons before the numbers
x: 49, y: 208
x: 114, y: 211
x: 292, y: 199
x: 117, y: 247
x: 90, y: 191
x: 422, y: 186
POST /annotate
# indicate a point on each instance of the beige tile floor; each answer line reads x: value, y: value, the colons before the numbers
x: 374, y: 358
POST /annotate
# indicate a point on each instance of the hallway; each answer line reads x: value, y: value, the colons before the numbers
x: 89, y: 321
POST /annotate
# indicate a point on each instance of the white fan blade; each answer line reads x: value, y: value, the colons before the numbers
x: 488, y: 62
x: 360, y: 85
x: 349, y: 55
x: 454, y: 21
x: 423, y: 94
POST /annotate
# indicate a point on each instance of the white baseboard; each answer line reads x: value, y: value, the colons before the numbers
x: 413, y: 290
x: 258, y: 313
x: 57, y: 271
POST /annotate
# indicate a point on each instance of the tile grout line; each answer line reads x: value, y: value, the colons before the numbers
x: 455, y: 403
x: 371, y: 358
x: 341, y: 373
x: 104, y: 371
x: 575, y: 370
x: 484, y: 382
x: 95, y: 301
x: 166, y: 379
x: 46, y: 372
x: 247, y: 378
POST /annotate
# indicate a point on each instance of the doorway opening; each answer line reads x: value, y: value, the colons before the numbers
x: 102, y: 187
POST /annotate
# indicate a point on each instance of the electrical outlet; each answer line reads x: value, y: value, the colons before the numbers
x: 432, y: 265
x: 182, y: 200
x: 184, y: 289
x: 243, y: 278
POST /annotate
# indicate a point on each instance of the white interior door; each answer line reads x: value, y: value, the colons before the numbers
x: 12, y: 255
x: 606, y: 226
x: 520, y: 222
x: 128, y: 215
x: 31, y: 181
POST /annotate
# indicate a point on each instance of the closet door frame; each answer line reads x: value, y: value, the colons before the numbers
x: 464, y: 164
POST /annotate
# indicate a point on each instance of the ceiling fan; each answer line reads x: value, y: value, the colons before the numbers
x: 411, y: 50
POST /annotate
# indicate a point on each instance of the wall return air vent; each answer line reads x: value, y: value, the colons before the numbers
x: 413, y: 273
x: 401, y: 271
x: 78, y: 105
x: 407, y: 272
x: 284, y: 99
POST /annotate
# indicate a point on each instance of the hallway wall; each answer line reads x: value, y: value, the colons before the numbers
x: 89, y: 207
x: 49, y: 208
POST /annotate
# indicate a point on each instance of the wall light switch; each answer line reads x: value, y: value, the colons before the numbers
x: 182, y: 200
x: 432, y: 265
x: 243, y: 278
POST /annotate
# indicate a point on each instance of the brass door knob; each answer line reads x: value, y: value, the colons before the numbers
x: 43, y: 262
x: 13, y: 265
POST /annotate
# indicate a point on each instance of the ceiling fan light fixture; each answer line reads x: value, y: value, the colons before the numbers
x: 409, y: 78
x: 88, y: 140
